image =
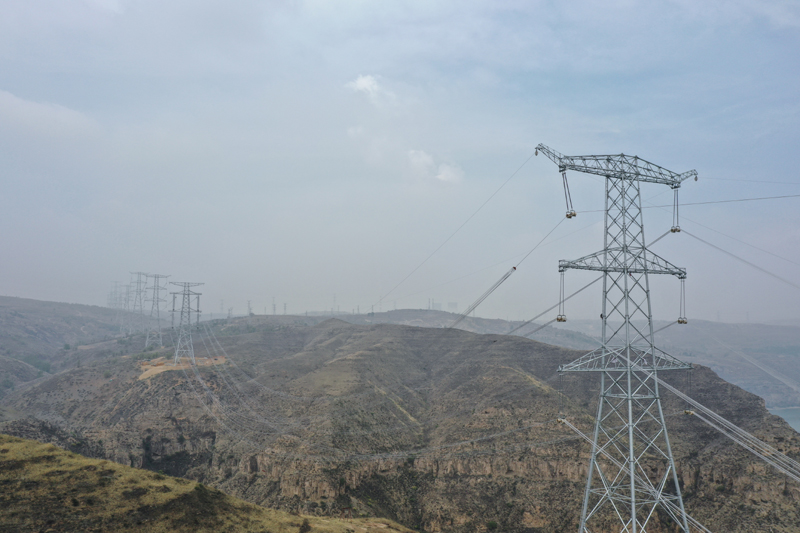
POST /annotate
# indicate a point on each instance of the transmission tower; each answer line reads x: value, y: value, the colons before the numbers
x: 157, y: 287
x: 113, y: 296
x: 126, y: 299
x: 632, y: 473
x: 116, y: 301
x: 184, y: 347
x: 139, y: 290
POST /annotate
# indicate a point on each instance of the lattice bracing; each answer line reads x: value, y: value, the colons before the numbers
x: 190, y: 305
x: 613, y: 261
x: 156, y: 288
x: 613, y: 358
x: 617, y: 166
x: 632, y: 472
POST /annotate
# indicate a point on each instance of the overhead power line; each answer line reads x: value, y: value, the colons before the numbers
x: 710, y: 202
x: 540, y: 242
x: 485, y: 295
x: 503, y: 262
x: 728, y: 236
x: 745, y: 261
x: 494, y: 287
x: 754, y: 181
x: 554, y: 306
x: 764, y: 451
x: 458, y: 228
x: 743, y: 242
x: 737, y: 200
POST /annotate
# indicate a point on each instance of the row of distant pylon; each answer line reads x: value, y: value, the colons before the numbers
x: 149, y: 290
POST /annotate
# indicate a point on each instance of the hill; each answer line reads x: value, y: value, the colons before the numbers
x: 45, y: 488
x: 425, y: 318
x: 39, y: 338
x: 38, y: 329
x: 761, y: 358
x: 14, y: 372
x: 441, y: 430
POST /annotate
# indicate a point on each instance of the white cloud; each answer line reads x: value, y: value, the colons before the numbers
x: 449, y: 173
x: 378, y: 95
x: 365, y: 84
x: 421, y: 163
x: 424, y: 166
x: 20, y: 116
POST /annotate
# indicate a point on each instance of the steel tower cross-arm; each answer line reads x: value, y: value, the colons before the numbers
x: 619, y: 166
x: 629, y: 425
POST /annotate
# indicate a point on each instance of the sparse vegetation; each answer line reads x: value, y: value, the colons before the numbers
x: 43, y: 487
x: 466, y: 489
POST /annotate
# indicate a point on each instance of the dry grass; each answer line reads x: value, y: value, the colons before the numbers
x: 162, y: 364
x: 46, y: 488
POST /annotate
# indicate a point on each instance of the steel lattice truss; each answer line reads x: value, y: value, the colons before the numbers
x: 632, y: 472
x: 184, y: 346
x: 138, y: 294
x: 619, y: 166
x: 154, y: 336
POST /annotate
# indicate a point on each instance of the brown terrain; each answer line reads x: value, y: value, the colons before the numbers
x: 438, y: 429
x: 45, y: 488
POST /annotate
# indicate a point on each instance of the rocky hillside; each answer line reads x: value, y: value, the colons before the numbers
x: 761, y: 358
x: 558, y: 336
x: 45, y: 488
x: 14, y: 372
x: 46, y: 336
x: 441, y: 430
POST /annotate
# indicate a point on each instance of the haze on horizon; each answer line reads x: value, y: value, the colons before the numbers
x: 299, y: 150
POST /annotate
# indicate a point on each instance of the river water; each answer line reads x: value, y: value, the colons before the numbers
x: 790, y: 414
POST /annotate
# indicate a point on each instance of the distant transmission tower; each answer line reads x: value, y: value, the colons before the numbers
x: 116, y: 301
x: 157, y: 287
x: 126, y: 300
x: 113, y: 296
x: 632, y: 472
x: 139, y: 286
x: 183, y: 346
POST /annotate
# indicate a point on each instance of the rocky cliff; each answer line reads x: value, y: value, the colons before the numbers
x: 442, y: 430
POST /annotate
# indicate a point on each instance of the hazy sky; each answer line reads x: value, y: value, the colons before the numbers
x: 305, y: 149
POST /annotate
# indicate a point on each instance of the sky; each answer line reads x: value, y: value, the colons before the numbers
x: 317, y: 153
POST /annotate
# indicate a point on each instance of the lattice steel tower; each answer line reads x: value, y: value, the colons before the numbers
x: 139, y: 293
x: 157, y: 288
x: 126, y: 298
x: 632, y: 473
x: 183, y: 346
